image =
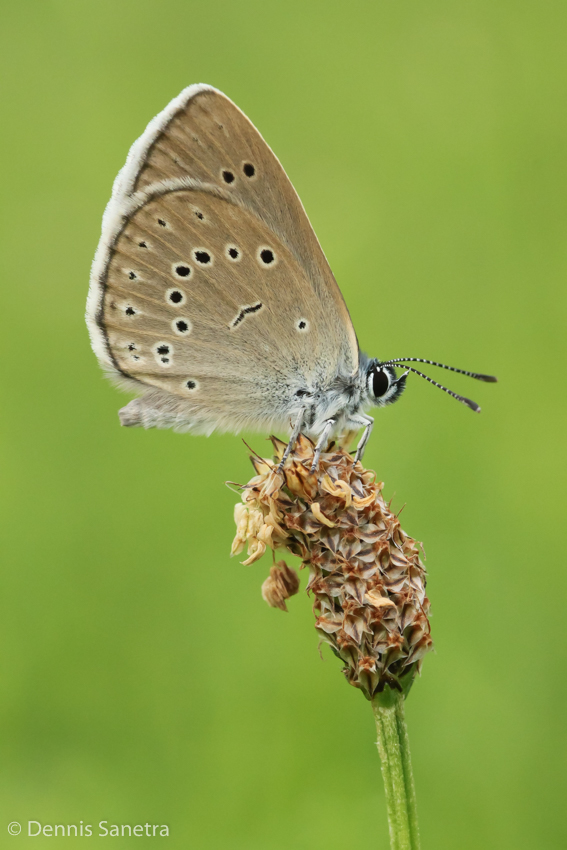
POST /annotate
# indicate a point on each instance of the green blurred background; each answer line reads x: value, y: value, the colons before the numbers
x: 143, y: 678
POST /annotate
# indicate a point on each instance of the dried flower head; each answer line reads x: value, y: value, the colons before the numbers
x: 282, y: 583
x: 365, y: 573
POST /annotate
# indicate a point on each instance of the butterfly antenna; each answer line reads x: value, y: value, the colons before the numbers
x: 476, y: 375
x: 469, y: 403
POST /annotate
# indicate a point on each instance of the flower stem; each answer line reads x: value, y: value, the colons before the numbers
x: 393, y: 746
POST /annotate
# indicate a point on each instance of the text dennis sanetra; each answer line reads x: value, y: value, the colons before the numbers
x: 85, y: 830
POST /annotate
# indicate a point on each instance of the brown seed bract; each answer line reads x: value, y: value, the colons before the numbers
x: 365, y: 572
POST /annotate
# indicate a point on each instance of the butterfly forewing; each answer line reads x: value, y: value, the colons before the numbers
x: 209, y: 282
x: 207, y: 137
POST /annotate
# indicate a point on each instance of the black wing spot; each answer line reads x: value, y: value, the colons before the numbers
x: 182, y: 271
x: 233, y: 253
x: 228, y: 176
x: 163, y: 352
x: 175, y: 296
x: 191, y: 385
x: 249, y: 169
x: 132, y: 275
x: 135, y: 357
x: 199, y: 215
x: 302, y: 325
x: 142, y: 245
x: 131, y: 347
x: 202, y: 257
x: 267, y: 256
x: 245, y: 311
x: 161, y: 222
x: 130, y: 311
x: 181, y: 326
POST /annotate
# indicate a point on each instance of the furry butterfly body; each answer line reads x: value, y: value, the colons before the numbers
x: 210, y: 295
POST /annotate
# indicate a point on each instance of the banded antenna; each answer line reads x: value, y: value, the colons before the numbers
x: 403, y: 361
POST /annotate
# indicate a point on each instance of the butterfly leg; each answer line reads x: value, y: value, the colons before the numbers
x: 293, y: 439
x: 321, y: 443
x: 368, y: 423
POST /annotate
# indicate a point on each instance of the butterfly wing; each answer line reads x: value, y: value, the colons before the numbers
x: 209, y: 289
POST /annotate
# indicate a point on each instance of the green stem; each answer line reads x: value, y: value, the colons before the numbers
x: 393, y: 746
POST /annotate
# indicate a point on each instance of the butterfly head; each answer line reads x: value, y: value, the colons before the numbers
x: 383, y: 387
x: 382, y: 384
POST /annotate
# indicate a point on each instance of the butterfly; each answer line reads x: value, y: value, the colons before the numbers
x: 211, y: 298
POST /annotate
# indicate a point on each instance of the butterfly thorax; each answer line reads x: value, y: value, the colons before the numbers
x: 343, y: 400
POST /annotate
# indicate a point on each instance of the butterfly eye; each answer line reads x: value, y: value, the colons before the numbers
x: 380, y: 383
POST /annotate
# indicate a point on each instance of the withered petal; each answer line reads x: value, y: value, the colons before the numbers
x: 378, y: 601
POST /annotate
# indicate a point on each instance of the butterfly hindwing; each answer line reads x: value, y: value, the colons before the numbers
x: 204, y: 302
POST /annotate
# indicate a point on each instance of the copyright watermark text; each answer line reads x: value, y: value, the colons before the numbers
x: 85, y: 830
